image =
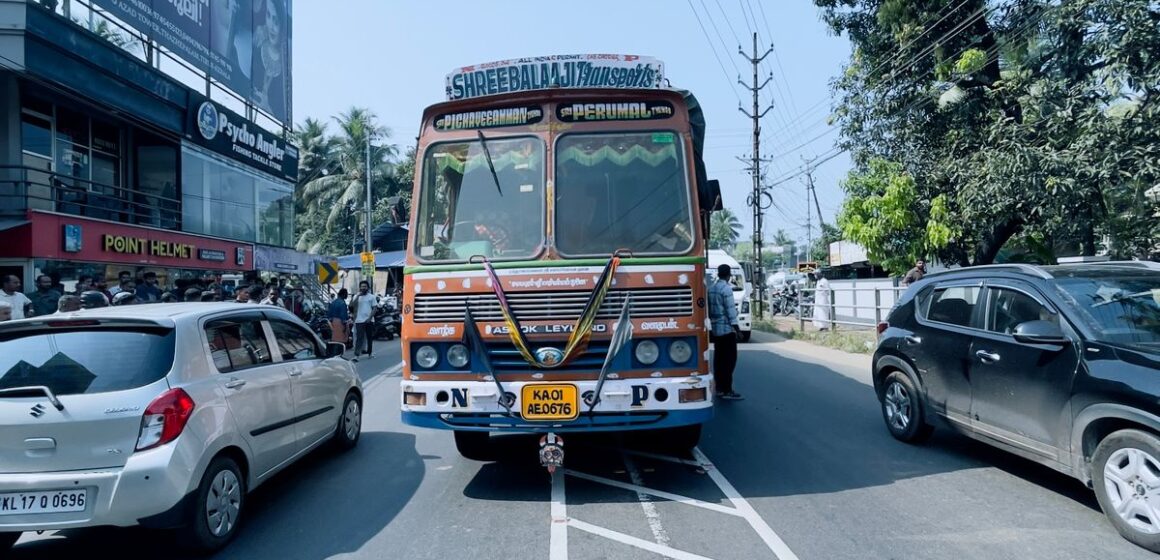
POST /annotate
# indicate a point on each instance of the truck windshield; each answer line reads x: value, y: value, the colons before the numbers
x: 462, y: 213
x: 622, y: 191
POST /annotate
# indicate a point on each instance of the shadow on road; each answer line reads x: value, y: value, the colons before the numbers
x: 807, y: 429
x: 324, y: 505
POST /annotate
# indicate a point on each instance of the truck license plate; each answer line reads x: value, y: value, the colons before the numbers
x: 549, y: 402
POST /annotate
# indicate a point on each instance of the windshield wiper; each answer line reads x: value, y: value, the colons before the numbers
x: 35, y: 389
x: 490, y: 165
x: 1121, y: 297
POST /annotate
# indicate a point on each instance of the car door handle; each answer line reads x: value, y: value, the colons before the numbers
x: 235, y: 383
x: 913, y: 339
x: 295, y: 372
x: 987, y: 357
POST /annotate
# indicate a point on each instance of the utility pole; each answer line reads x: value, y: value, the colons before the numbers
x: 367, y: 240
x: 812, y: 196
x: 809, y: 214
x: 759, y: 195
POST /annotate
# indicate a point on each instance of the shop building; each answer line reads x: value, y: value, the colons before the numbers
x: 108, y: 163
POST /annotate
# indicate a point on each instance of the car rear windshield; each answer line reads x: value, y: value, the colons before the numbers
x: 76, y: 362
x: 1119, y: 308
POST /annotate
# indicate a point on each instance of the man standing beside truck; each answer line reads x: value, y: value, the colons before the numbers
x: 723, y: 315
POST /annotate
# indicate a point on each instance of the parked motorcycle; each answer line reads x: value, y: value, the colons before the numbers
x: 388, y: 322
x: 320, y: 324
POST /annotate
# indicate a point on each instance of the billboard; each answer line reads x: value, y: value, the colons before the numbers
x: 244, y: 44
x: 619, y: 71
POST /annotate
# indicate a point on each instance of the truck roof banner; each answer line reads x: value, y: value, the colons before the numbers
x: 620, y: 71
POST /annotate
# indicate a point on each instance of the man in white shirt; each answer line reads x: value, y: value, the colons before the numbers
x: 5, y: 311
x: 11, y: 295
x: 362, y: 307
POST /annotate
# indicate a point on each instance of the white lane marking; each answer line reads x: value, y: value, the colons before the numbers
x: 646, y: 503
x: 659, y: 457
x: 558, y: 543
x: 746, y: 511
x: 633, y: 541
x: 658, y: 493
x: 381, y: 376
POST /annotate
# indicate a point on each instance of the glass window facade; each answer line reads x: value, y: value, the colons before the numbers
x: 222, y: 199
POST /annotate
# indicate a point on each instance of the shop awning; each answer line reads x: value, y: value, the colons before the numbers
x: 391, y: 259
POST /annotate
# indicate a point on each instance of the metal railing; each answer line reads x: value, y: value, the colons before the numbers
x: 864, y: 316
x: 27, y: 188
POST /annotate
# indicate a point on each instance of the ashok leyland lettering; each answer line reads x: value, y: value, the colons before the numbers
x: 554, y: 278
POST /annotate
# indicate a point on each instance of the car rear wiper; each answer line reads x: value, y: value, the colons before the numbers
x: 490, y: 165
x: 36, y: 389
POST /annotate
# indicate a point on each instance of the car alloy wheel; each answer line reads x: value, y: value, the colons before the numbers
x: 1132, y: 483
x: 223, y: 503
x: 897, y: 406
x: 352, y: 419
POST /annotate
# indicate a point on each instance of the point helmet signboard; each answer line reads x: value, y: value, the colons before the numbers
x: 618, y: 71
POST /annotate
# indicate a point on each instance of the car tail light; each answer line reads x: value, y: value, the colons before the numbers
x: 164, y: 419
x: 882, y: 327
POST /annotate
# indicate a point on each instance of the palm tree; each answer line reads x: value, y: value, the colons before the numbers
x: 724, y: 230
x: 788, y: 246
x: 315, y: 159
x: 339, y: 193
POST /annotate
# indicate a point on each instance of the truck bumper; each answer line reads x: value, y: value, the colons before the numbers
x: 629, y: 404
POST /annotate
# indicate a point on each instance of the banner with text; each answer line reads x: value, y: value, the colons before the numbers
x: 244, y: 44
x: 620, y: 71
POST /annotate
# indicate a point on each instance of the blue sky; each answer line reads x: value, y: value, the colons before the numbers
x: 392, y: 57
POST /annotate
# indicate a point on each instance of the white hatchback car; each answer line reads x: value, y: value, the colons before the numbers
x: 162, y: 415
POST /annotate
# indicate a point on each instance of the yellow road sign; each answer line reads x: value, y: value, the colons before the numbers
x: 327, y: 272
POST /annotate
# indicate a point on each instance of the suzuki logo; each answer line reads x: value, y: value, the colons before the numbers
x: 37, y: 411
x: 549, y: 356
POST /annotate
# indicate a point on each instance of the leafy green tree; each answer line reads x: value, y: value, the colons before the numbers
x: 724, y: 230
x: 1024, y: 120
x: 884, y: 213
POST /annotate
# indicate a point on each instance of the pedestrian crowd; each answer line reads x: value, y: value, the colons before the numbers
x: 49, y: 297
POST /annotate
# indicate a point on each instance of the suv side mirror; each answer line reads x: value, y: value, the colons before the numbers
x: 1040, y: 332
x: 335, y: 349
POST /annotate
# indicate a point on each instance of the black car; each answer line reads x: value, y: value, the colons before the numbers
x: 1057, y: 364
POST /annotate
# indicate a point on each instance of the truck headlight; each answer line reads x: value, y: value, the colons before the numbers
x: 745, y: 306
x: 426, y: 357
x: 457, y: 355
x: 680, y: 352
x: 647, y: 352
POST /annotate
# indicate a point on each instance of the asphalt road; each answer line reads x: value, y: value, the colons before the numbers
x: 802, y: 468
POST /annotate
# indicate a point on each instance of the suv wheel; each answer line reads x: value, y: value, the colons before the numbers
x: 1126, y: 478
x: 902, y: 409
x: 217, y: 509
x: 7, y: 540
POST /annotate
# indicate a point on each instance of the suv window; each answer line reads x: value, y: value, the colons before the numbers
x: 1010, y: 308
x: 79, y: 362
x: 954, y: 305
x: 237, y: 344
x: 294, y: 343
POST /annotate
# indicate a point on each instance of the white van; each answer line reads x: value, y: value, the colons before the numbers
x: 741, y: 289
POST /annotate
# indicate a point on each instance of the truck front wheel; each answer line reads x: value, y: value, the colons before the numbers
x: 473, y: 445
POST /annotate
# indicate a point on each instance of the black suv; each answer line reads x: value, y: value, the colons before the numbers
x: 1058, y: 364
